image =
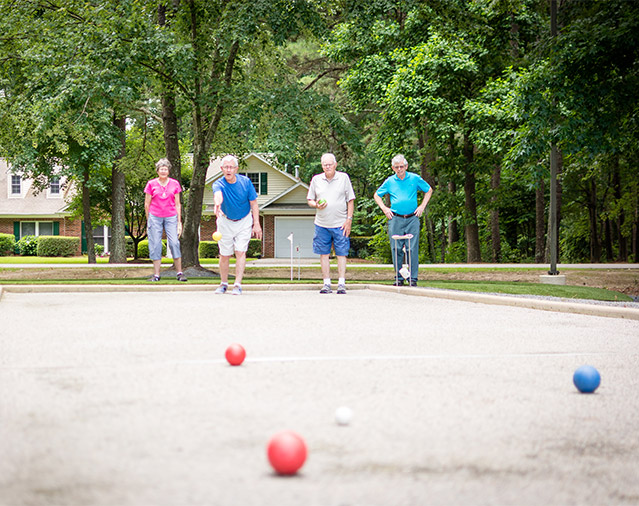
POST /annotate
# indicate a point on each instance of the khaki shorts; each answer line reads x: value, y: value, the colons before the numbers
x: 235, y: 234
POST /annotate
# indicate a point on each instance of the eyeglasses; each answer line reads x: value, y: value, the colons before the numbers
x: 228, y: 167
x: 400, y: 166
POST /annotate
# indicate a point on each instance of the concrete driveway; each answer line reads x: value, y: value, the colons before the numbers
x: 125, y: 398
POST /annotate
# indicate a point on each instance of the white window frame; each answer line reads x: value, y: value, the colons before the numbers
x: 11, y: 192
x: 51, y: 194
x: 257, y: 185
x: 37, y: 227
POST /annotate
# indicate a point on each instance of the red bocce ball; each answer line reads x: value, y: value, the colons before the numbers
x: 235, y: 354
x: 286, y: 452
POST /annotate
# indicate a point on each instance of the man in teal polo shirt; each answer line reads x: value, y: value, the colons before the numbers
x: 403, y: 214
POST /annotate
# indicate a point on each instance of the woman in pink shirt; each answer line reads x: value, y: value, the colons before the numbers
x: 164, y: 213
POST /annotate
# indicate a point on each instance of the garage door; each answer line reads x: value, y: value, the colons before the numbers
x: 302, y: 229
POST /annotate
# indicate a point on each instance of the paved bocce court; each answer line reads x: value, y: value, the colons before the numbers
x: 125, y: 398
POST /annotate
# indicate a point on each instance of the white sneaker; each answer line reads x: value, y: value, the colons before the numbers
x: 237, y: 290
x: 221, y: 289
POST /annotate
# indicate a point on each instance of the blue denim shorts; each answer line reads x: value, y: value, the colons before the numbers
x: 325, y: 237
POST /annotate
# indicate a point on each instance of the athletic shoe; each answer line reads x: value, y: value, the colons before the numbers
x: 222, y: 289
x: 341, y: 289
x: 413, y: 282
x: 181, y: 276
x: 326, y: 289
x: 154, y: 278
x: 237, y: 290
x: 398, y: 282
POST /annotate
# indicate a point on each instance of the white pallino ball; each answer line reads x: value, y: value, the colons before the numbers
x: 343, y: 415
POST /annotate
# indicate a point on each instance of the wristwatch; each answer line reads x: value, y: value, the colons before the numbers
x: 349, y: 218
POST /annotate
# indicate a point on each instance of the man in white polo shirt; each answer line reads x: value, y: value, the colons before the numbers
x: 331, y: 193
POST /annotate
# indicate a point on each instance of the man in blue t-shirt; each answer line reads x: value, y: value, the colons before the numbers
x: 403, y: 215
x: 238, y: 217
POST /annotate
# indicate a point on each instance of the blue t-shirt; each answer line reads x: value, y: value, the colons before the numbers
x: 237, y: 196
x: 403, y: 192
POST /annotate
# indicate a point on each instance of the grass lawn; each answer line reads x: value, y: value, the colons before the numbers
x: 517, y: 288
x: 83, y: 260
x: 564, y: 291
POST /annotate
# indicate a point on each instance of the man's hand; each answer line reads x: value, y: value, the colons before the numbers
x: 257, y: 231
x: 346, y: 227
x: 179, y: 229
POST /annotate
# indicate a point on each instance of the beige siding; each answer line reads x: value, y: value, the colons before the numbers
x: 277, y: 183
x: 297, y: 196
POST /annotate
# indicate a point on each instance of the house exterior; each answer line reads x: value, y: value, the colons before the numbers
x: 26, y: 211
x: 283, y: 208
x: 281, y: 200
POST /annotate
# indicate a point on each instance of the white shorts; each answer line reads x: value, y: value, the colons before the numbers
x: 235, y: 234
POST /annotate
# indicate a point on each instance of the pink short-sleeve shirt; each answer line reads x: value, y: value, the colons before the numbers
x: 163, y: 197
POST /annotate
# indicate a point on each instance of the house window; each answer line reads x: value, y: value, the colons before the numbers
x: 102, y: 236
x: 36, y: 228
x: 54, y: 185
x: 259, y: 181
x: 16, y: 185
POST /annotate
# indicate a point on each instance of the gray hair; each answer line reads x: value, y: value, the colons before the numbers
x: 229, y: 158
x: 163, y: 162
x: 399, y: 159
x: 329, y: 155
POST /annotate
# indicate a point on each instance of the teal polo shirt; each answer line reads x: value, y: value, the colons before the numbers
x: 403, y: 192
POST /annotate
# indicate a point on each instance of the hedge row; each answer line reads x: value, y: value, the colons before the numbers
x: 209, y: 249
x: 57, y: 246
x: 7, y: 244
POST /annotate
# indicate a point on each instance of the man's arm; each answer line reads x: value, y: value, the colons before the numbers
x: 422, y: 207
x: 382, y: 206
x: 255, y: 210
x: 218, y: 198
x: 350, y: 209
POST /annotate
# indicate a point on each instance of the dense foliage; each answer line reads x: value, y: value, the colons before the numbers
x: 473, y: 93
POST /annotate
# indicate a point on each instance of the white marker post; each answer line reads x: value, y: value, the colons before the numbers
x: 290, y: 238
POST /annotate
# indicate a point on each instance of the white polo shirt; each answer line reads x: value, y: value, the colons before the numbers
x: 337, y: 192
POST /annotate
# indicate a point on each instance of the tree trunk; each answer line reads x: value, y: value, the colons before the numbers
x: 607, y: 245
x: 471, y: 228
x: 86, y: 214
x: 171, y: 144
x: 560, y: 165
x: 495, y: 236
x: 427, y: 157
x: 621, y: 239
x: 205, y: 126
x: 453, y: 229
x: 190, y: 235
x: 118, y: 201
x: 540, y: 224
x: 595, y: 241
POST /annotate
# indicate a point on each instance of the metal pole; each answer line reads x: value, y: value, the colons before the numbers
x: 553, y: 239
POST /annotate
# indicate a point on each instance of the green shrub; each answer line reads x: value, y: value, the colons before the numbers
x: 27, y: 246
x: 359, y: 247
x: 208, y: 249
x: 99, y: 249
x: 129, y: 247
x: 57, y: 246
x: 254, y: 248
x: 7, y: 244
x: 143, y: 248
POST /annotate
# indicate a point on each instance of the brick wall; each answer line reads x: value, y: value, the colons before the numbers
x: 268, y: 236
x: 6, y: 226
